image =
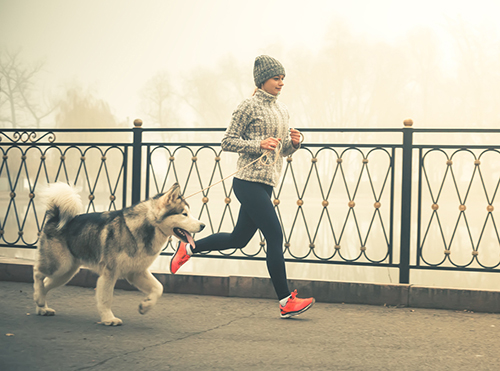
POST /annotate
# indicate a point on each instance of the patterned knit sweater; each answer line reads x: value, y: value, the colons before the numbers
x: 255, y: 119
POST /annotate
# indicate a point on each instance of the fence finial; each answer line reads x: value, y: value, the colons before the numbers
x: 408, y: 122
x: 137, y: 123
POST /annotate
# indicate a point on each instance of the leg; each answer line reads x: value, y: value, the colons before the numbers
x: 255, y: 198
x: 43, y: 283
x: 104, y: 295
x: 243, y: 232
x: 149, y: 285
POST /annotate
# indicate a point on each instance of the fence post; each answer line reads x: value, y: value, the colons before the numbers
x: 404, y: 255
x: 137, y: 162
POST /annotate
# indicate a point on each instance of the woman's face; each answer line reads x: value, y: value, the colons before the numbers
x: 274, y: 84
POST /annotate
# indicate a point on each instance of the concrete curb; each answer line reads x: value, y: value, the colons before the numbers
x: 443, y: 298
x: 322, y: 291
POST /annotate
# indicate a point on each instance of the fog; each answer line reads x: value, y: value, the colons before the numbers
x: 358, y: 63
x: 189, y: 63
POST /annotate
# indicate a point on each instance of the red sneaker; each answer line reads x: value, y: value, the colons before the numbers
x: 180, y: 258
x: 295, y: 306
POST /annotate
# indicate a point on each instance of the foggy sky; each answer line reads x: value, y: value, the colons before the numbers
x: 113, y: 47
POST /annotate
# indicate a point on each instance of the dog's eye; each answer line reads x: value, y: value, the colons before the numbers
x: 185, y: 214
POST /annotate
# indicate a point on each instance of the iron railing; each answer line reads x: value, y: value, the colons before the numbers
x: 344, y: 198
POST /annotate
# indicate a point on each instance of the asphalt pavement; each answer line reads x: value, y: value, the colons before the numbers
x: 194, y: 332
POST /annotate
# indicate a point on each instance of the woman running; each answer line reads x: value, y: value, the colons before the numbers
x: 259, y: 124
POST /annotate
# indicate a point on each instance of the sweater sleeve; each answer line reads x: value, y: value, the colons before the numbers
x: 288, y: 148
x: 233, y: 140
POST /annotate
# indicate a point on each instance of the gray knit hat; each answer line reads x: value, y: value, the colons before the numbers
x: 266, y: 67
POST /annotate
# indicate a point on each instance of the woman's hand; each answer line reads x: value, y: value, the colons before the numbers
x: 295, y: 136
x: 270, y: 144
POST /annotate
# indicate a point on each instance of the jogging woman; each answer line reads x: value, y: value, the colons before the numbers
x: 258, y: 125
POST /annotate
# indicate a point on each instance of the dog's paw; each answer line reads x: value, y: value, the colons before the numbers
x: 145, y: 306
x: 111, y: 322
x: 45, y: 311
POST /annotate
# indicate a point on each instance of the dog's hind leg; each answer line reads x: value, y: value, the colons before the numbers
x: 44, y: 283
x: 104, y: 296
x: 149, y: 285
x: 40, y: 293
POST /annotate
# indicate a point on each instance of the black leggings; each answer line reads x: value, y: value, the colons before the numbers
x: 256, y: 212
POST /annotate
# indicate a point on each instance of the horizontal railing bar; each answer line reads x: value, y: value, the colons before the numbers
x: 456, y: 130
x: 145, y: 130
x: 73, y: 130
x: 364, y: 145
x: 310, y: 130
x: 68, y: 144
x: 18, y: 246
x: 450, y: 146
x: 341, y: 130
x: 204, y: 129
x: 193, y: 144
x: 217, y: 144
x: 325, y: 145
x: 455, y: 269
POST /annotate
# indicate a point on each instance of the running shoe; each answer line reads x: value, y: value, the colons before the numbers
x: 295, y: 306
x: 180, y: 258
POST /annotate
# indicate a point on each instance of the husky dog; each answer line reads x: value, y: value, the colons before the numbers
x: 114, y: 244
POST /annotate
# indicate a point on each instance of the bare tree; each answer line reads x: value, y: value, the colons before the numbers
x: 213, y: 94
x: 19, y: 104
x: 158, y: 100
x: 476, y: 90
x: 349, y: 82
x: 428, y: 93
x: 80, y: 108
x: 206, y: 98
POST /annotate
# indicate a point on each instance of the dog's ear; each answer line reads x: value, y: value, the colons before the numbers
x: 175, y: 191
x: 171, y: 195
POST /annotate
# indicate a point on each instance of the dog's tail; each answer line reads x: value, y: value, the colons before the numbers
x: 63, y: 203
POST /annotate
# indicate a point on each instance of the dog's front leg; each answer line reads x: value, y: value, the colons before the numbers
x: 149, y: 285
x: 104, y: 295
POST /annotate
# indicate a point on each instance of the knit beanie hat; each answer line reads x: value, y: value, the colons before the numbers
x: 266, y: 67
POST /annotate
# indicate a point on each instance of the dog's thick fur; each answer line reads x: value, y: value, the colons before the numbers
x: 114, y: 244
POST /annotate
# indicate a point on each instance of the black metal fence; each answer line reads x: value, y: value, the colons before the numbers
x: 365, y: 197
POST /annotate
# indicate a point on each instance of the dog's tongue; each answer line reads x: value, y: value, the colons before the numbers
x: 189, y: 238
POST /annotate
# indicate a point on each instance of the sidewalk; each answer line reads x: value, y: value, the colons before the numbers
x: 195, y: 332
